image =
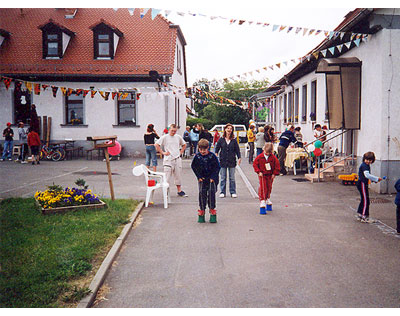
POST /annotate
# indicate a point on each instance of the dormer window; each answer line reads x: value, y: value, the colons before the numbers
x: 3, y: 36
x: 55, y: 40
x: 105, y: 40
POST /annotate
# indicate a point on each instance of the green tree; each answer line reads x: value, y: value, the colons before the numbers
x: 221, y: 113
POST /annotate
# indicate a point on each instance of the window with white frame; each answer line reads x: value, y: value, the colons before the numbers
x: 313, y: 113
x: 285, y: 108
x: 296, y: 105
x: 126, y: 108
x: 74, y: 109
x: 304, y: 104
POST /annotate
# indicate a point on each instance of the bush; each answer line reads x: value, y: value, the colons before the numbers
x: 190, y: 121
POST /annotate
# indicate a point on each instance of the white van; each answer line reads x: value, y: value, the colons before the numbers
x: 238, y: 129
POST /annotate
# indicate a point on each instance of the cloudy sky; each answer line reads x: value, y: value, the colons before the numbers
x: 217, y: 49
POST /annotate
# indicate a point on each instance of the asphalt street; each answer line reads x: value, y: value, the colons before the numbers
x: 308, y: 252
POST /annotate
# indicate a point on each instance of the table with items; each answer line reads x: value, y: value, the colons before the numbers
x: 293, y: 154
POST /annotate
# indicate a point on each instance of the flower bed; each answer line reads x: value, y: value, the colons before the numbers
x: 56, y: 201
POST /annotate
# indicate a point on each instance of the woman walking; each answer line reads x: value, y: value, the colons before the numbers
x: 229, y: 148
x: 151, y: 153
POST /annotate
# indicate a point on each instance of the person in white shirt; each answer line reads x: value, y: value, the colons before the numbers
x: 172, y: 146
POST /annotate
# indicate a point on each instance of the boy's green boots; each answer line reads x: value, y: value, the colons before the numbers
x: 202, y: 218
x: 213, y: 216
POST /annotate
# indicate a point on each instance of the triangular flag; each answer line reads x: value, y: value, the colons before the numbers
x: 36, y: 88
x: 113, y: 94
x: 323, y: 52
x: 278, y: 65
x: 305, y: 31
x: 282, y: 27
x: 285, y: 62
x: 352, y: 36
x: 69, y: 91
x: 357, y: 42
x: 265, y: 68
x: 251, y: 73
x: 258, y: 23
x: 45, y: 86
x: 332, y: 50
x: 7, y: 82
x: 317, y: 32
x: 258, y: 70
x: 17, y: 85
x: 309, y: 57
x: 298, y: 29
x: 154, y: 13
x: 331, y: 34
x: 213, y: 17
x: 326, y: 33
x: 232, y: 21
x: 290, y: 28
x: 167, y: 12
x: 28, y: 86
x: 241, y: 22
x: 143, y: 12
x: 92, y: 93
x: 316, y: 55
x: 272, y: 67
x: 339, y: 47
x: 63, y: 90
x: 181, y: 13
x: 250, y: 22
x: 341, y: 35
x: 78, y: 91
x: 274, y: 27
x: 131, y: 11
x: 265, y: 24
x: 85, y: 92
x: 293, y: 60
x: 54, y: 90
x: 348, y: 44
x: 311, y: 31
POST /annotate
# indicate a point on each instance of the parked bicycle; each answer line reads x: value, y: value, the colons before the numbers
x: 51, y: 153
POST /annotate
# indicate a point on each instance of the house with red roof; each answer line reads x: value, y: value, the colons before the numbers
x: 94, y: 71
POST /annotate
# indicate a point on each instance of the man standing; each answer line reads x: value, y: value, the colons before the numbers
x: 23, y: 139
x: 8, y: 135
x: 172, y: 146
x: 286, y: 138
x: 251, y: 137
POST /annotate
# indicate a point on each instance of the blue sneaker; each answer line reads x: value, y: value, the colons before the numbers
x: 182, y: 194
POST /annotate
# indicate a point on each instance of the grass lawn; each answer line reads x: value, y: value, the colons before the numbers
x: 49, y: 260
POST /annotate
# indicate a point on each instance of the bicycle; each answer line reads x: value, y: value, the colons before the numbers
x: 50, y: 153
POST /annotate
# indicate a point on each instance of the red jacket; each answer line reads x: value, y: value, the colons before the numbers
x: 260, y: 161
x: 33, y: 139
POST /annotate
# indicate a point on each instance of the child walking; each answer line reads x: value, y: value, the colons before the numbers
x: 205, y: 166
x: 364, y: 174
x: 266, y: 165
x: 34, y: 145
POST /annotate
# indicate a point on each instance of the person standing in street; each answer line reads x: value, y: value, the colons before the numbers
x: 205, y: 166
x: 172, y: 146
x: 260, y: 141
x: 149, y: 140
x: 23, y: 139
x: 251, y: 137
x: 227, y: 149
x: 286, y: 138
x: 8, y: 135
x: 34, y: 145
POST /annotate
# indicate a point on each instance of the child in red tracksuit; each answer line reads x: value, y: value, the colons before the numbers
x: 266, y: 165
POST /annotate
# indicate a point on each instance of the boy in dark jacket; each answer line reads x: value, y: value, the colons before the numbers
x: 397, y: 202
x: 266, y: 165
x: 364, y: 174
x: 8, y: 135
x: 286, y: 138
x: 206, y: 167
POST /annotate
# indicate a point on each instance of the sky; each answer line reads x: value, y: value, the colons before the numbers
x: 217, y: 49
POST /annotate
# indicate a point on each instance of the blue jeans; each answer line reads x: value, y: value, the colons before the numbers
x: 151, y: 154
x: 232, y: 183
x: 8, y: 147
x: 259, y: 151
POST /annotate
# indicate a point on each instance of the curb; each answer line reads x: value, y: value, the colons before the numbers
x: 101, y: 274
x: 247, y: 182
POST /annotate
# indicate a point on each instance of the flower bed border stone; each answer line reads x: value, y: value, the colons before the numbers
x: 64, y: 209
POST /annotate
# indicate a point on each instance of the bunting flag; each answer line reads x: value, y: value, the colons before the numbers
x: 326, y: 33
x: 143, y: 12
x: 232, y: 21
x: 45, y: 86
x: 18, y: 85
x: 339, y: 47
x: 331, y: 34
x: 316, y: 54
x: 138, y: 96
x: 78, y: 91
x: 92, y: 93
x: 357, y: 42
x: 282, y: 27
x: 113, y: 94
x: 305, y: 31
x: 154, y: 13
x: 317, y: 32
x: 7, y: 82
x: 131, y: 11
x: 278, y: 65
x: 348, y: 44
x: 323, y: 52
x: 63, y: 90
x: 290, y: 28
x: 54, y: 89
x: 69, y: 91
x: 311, y: 31
x: 167, y: 12
x: 28, y: 86
x: 36, y: 88
x: 241, y: 22
x: 331, y: 50
x: 85, y: 92
x: 124, y: 95
x: 298, y: 29
x: 341, y: 35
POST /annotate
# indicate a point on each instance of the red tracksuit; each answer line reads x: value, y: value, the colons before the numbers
x: 260, y: 165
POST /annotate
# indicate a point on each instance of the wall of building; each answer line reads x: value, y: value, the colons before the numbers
x: 100, y: 116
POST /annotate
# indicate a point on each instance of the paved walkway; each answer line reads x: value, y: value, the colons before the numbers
x: 309, y: 252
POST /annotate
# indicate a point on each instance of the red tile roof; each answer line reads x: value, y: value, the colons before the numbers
x: 146, y: 44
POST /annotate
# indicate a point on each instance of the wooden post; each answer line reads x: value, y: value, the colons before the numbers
x: 48, y: 131
x: 44, y: 134
x: 105, y: 146
x: 109, y: 172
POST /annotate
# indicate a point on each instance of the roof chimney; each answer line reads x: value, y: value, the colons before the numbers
x: 70, y: 13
